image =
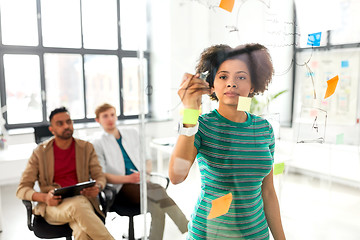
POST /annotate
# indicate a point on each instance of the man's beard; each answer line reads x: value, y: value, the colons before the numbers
x: 66, y: 134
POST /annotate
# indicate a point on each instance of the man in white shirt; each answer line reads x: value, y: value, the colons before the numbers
x: 118, y: 153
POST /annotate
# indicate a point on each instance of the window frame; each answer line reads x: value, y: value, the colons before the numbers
x: 329, y: 46
x: 40, y: 50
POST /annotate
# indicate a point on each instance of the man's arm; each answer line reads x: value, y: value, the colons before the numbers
x: 121, y: 179
x: 26, y: 190
x: 47, y: 198
x: 113, y: 178
x: 96, y: 170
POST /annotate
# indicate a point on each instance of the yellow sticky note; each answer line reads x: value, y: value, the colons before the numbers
x: 244, y: 104
x: 227, y: 5
x: 279, y: 168
x: 190, y: 116
x: 332, y: 83
x: 220, y: 206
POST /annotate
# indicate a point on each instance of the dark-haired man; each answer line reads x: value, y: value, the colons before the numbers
x: 64, y: 161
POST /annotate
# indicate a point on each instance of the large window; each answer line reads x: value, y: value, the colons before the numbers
x: 73, y: 53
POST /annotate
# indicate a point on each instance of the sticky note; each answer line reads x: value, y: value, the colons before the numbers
x: 190, y: 116
x: 313, y: 112
x: 310, y: 74
x: 244, y: 104
x: 314, y: 64
x: 279, y: 168
x: 332, y: 83
x: 227, y: 5
x: 314, y: 39
x: 344, y: 64
x: 220, y: 206
x: 340, y: 138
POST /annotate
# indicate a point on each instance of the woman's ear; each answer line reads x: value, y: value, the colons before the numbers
x: 212, y: 90
x: 251, y: 93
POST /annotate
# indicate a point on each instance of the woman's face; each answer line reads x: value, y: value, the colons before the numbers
x: 231, y: 81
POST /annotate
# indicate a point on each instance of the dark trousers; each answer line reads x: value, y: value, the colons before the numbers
x: 159, y: 203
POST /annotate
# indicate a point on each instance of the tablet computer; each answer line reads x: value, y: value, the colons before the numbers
x: 73, y: 190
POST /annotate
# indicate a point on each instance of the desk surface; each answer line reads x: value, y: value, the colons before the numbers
x: 17, y: 152
x: 13, y: 161
x: 163, y: 144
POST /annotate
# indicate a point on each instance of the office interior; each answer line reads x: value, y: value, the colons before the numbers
x: 133, y: 54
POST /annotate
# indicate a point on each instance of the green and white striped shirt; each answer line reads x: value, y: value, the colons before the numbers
x: 233, y: 158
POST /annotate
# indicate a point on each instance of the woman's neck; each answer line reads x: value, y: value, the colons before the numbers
x: 232, y: 114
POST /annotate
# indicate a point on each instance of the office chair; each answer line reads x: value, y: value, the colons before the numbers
x: 131, y: 211
x: 42, y: 133
x: 44, y: 230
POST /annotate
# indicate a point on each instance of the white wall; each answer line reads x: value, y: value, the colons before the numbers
x: 182, y: 29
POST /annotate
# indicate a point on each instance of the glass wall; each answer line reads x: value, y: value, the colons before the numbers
x: 218, y: 176
x: 221, y: 177
x: 256, y: 157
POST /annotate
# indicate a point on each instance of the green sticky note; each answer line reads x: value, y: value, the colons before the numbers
x: 244, y: 104
x: 279, y: 168
x: 340, y: 138
x: 190, y: 116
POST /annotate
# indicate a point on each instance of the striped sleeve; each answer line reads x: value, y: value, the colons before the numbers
x: 272, y: 139
x: 198, y: 135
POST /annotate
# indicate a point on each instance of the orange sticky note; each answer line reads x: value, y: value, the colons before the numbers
x: 220, y: 206
x: 332, y: 83
x: 227, y: 5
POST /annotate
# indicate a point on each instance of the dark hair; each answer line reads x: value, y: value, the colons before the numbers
x: 209, y: 61
x: 56, y: 111
x: 255, y: 56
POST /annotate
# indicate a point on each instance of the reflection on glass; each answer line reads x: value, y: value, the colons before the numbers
x: 102, y: 82
x: 19, y: 24
x: 133, y: 26
x: 312, y: 125
x: 131, y: 85
x: 23, y: 92
x: 348, y: 31
x: 313, y: 20
x: 100, y: 31
x: 64, y: 33
x: 64, y: 83
x: 274, y: 120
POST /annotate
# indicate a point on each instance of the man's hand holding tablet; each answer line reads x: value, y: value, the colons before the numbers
x: 85, y: 188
